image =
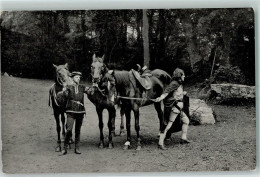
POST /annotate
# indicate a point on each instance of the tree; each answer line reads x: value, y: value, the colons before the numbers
x: 146, y: 38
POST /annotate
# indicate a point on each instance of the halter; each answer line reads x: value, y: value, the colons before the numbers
x: 101, y: 72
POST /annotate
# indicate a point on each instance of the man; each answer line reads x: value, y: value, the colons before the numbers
x: 75, y: 110
x: 173, y: 103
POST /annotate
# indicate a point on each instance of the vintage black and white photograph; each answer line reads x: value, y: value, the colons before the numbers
x: 138, y: 90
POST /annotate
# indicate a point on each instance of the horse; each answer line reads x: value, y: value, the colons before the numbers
x: 101, y: 102
x: 97, y: 96
x: 57, y: 102
x: 124, y: 84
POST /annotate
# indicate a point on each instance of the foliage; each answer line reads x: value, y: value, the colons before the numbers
x: 187, y: 38
x: 226, y: 74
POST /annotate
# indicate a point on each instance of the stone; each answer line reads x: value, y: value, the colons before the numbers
x: 6, y: 74
x: 200, y: 112
x: 227, y: 91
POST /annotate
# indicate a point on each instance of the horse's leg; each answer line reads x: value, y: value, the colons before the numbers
x: 58, y: 128
x: 137, y: 127
x: 111, y: 125
x: 63, y: 125
x: 159, y: 111
x: 112, y: 120
x: 101, y: 125
x: 128, y: 128
x: 122, y: 127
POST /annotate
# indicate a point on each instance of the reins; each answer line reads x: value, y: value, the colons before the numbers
x: 101, y: 91
x: 133, y: 98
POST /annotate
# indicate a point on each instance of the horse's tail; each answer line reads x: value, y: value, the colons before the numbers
x: 163, y: 76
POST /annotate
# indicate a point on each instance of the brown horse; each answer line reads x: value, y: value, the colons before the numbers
x: 101, y: 102
x: 123, y: 84
x: 98, y: 70
x: 58, y: 104
x: 97, y: 96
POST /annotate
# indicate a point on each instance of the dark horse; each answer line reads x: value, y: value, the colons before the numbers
x: 101, y: 101
x: 124, y: 84
x: 58, y: 104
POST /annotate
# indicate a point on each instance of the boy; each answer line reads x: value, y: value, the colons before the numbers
x: 75, y: 110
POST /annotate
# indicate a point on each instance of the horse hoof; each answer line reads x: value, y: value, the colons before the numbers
x: 138, y: 148
x: 101, y: 146
x: 58, y: 149
x: 110, y: 146
x: 126, y: 147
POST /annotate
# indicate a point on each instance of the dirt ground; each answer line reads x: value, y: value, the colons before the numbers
x: 29, y: 138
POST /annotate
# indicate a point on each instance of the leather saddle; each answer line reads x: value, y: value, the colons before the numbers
x: 143, y: 79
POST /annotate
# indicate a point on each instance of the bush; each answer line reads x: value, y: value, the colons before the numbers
x: 226, y: 74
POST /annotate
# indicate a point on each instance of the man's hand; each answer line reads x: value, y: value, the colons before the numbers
x: 158, y: 99
x: 184, y: 93
x: 161, y: 97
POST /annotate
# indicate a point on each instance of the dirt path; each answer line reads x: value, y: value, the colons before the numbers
x: 29, y: 138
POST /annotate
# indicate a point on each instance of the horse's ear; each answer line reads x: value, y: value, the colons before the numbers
x: 102, y: 58
x: 54, y: 66
x: 112, y: 72
x: 138, y: 67
x: 66, y: 66
x: 94, y: 57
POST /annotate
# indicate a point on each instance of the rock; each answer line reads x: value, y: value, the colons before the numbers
x: 6, y: 74
x: 227, y: 91
x: 200, y: 112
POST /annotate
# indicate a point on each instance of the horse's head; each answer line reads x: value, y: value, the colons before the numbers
x: 98, y: 69
x: 108, y: 83
x: 63, y: 75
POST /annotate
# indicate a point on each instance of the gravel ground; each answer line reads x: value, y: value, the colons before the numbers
x: 29, y: 138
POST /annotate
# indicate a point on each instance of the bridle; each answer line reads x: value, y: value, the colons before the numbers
x: 58, y: 79
x: 96, y: 85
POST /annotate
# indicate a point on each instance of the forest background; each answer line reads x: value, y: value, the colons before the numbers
x: 204, y: 42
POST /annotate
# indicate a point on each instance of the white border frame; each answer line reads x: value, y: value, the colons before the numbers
x: 8, y: 5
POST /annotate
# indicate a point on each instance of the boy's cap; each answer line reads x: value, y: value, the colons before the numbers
x: 75, y: 73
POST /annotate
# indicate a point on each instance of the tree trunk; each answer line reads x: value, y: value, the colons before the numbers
x: 161, y: 44
x: 138, y: 25
x: 66, y: 28
x: 191, y: 44
x: 225, y: 60
x: 146, y: 38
